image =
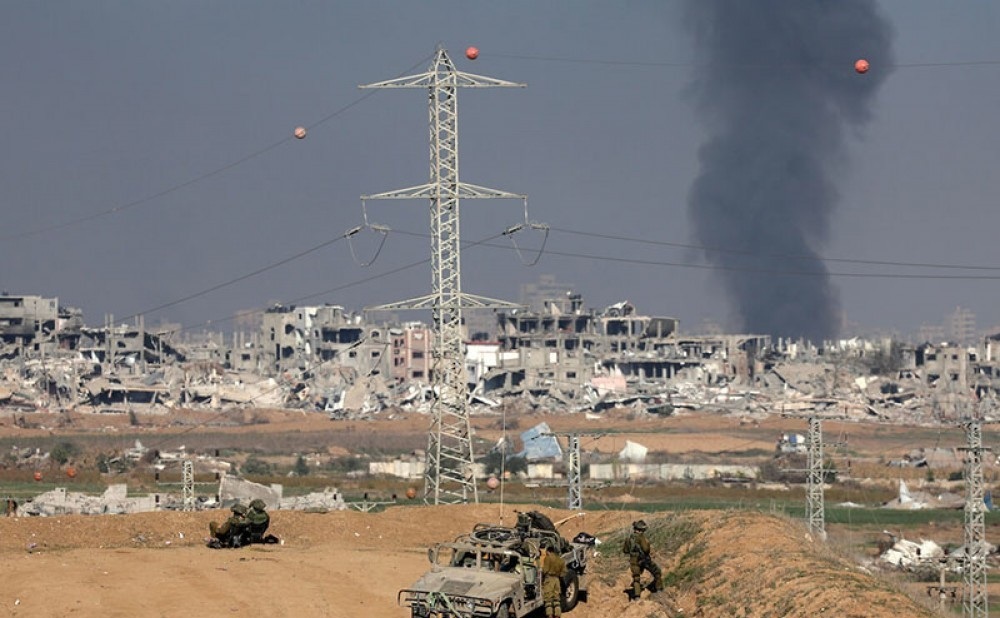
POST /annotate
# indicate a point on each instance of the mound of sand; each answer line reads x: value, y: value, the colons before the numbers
x: 351, y: 565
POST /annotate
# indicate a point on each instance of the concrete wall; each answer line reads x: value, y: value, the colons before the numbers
x: 668, y: 472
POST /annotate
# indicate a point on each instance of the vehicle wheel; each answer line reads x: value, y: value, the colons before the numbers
x: 503, y: 612
x: 570, y: 591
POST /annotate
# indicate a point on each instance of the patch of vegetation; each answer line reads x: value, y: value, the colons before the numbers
x: 494, y: 461
x: 666, y: 534
x: 687, y: 572
x: 62, y: 452
x: 254, y: 466
x: 301, y: 467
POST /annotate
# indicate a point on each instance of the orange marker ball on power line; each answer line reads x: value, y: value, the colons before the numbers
x: 472, y: 53
x: 411, y: 493
x: 300, y: 132
x: 37, y: 476
x: 71, y: 472
x: 861, y: 66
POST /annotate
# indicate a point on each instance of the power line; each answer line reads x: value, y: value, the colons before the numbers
x: 796, y: 273
x: 485, y: 242
x: 219, y: 286
x: 767, y: 271
x: 191, y: 181
x: 337, y: 288
x: 795, y: 256
x: 742, y: 65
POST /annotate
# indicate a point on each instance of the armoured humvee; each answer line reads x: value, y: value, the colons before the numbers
x: 493, y: 572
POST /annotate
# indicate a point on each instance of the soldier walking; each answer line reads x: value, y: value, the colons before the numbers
x: 553, y: 570
x: 637, y: 549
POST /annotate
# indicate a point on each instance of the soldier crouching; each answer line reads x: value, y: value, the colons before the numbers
x: 230, y: 532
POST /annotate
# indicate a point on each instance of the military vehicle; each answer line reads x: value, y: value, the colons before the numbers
x: 493, y: 572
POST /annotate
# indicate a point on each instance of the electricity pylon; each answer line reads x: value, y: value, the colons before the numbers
x: 575, y: 476
x: 574, y: 472
x: 815, y: 506
x: 187, y: 482
x: 815, y: 477
x: 448, y: 476
x: 975, y: 600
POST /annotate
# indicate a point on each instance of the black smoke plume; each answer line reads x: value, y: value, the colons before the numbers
x: 776, y: 89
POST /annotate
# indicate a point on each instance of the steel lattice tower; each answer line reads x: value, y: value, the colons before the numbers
x: 448, y: 477
x: 975, y: 601
x: 575, y: 476
x: 187, y: 481
x: 815, y: 508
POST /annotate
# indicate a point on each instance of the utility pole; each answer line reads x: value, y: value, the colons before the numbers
x: 815, y: 477
x: 448, y: 477
x: 815, y: 507
x: 575, y: 478
x: 574, y: 466
x: 187, y: 481
x: 975, y: 599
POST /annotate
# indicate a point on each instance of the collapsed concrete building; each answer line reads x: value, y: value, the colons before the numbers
x: 560, y: 356
x: 566, y: 347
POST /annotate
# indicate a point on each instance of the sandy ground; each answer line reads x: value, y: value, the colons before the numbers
x: 351, y: 565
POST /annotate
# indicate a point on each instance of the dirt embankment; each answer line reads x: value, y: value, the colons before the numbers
x: 350, y: 565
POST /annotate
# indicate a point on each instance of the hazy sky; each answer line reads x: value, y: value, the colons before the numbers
x: 121, y: 105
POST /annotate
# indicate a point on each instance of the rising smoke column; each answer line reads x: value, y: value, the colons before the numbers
x: 775, y: 87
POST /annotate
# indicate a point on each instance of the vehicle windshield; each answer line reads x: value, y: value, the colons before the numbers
x: 474, y: 558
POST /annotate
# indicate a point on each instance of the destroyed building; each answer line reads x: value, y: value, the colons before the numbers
x: 562, y: 356
x: 33, y: 326
x: 411, y: 352
x: 297, y: 338
x: 567, y: 344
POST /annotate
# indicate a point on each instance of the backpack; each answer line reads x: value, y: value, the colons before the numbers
x: 627, y: 546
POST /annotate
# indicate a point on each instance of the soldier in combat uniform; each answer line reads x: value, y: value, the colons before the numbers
x: 553, y: 569
x: 230, y: 532
x: 637, y: 549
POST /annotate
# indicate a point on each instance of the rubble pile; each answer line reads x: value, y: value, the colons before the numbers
x: 115, y: 500
x: 562, y: 357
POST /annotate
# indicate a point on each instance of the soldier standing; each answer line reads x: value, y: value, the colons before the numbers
x: 553, y: 570
x: 638, y: 550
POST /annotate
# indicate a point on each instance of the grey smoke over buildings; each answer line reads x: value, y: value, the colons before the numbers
x: 775, y: 86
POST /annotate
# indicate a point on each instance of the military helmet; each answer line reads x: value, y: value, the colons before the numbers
x: 640, y: 526
x: 258, y: 504
x: 239, y: 509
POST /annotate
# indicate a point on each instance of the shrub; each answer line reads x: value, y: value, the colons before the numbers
x: 63, y: 452
x: 256, y: 467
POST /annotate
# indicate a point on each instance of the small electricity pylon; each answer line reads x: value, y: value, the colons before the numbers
x: 575, y: 477
x: 975, y: 598
x: 815, y: 506
x: 574, y: 466
x: 815, y: 477
x: 187, y: 481
x: 448, y: 476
